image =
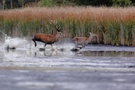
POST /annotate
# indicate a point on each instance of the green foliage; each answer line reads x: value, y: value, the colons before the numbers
x: 56, y: 2
x: 21, y: 3
x: 76, y: 2
x: 47, y: 3
x: 122, y: 3
x: 94, y: 2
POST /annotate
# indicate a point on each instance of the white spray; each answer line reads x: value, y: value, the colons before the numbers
x: 13, y: 43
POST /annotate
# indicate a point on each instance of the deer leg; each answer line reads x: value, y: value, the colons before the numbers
x: 76, y: 44
x: 45, y: 45
x: 83, y: 45
x: 34, y: 42
x: 52, y: 46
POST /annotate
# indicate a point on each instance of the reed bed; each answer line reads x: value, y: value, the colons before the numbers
x: 115, y: 26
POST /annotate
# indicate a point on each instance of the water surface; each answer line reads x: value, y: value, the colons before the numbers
x: 95, y: 67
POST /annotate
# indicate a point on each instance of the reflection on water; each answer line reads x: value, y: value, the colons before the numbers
x: 67, y: 58
x: 109, y: 53
x: 54, y: 52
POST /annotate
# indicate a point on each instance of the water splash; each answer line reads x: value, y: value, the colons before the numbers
x: 58, y: 49
x: 5, y: 35
x: 13, y: 43
x: 65, y: 46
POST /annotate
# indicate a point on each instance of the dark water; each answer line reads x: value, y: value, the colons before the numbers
x: 96, y: 67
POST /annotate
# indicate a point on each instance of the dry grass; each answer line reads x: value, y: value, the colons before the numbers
x: 99, y: 14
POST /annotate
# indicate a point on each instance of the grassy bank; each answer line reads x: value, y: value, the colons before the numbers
x: 113, y: 25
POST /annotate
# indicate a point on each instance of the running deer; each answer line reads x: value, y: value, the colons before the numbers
x: 84, y: 40
x: 48, y: 38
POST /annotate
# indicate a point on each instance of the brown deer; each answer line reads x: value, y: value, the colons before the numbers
x: 48, y: 38
x: 83, y: 40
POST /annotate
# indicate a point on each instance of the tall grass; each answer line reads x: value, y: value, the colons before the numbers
x: 113, y: 25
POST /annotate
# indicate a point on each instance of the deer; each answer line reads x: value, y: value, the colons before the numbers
x: 83, y: 40
x: 48, y: 38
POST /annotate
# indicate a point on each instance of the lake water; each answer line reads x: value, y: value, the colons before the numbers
x: 95, y: 67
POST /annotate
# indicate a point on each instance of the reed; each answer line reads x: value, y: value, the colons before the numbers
x: 114, y: 25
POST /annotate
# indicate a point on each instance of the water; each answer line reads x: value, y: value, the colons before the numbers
x: 95, y: 67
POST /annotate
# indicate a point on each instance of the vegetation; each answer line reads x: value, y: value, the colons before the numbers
x: 113, y: 25
x: 122, y: 3
x: 10, y: 4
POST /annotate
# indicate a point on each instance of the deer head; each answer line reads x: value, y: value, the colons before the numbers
x: 58, y: 31
x: 92, y: 34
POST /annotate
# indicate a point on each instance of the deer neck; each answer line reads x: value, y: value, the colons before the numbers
x: 56, y: 36
x: 89, y: 39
